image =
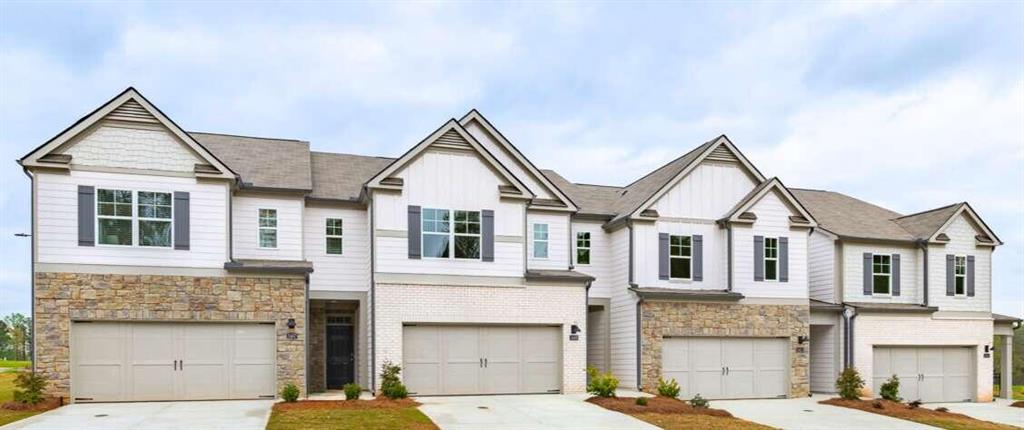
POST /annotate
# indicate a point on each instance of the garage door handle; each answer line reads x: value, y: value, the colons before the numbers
x: 175, y: 364
x: 485, y: 362
x: 481, y: 363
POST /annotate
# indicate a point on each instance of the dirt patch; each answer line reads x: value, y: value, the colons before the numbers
x: 656, y: 405
x: 378, y: 403
x: 45, y: 405
x: 923, y: 415
x: 1018, y: 404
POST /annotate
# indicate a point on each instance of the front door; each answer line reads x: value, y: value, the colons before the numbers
x: 340, y: 356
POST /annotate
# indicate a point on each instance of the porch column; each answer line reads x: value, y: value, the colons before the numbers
x: 1006, y: 382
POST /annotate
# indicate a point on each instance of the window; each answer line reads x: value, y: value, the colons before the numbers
x: 583, y: 247
x: 268, y: 228
x: 959, y: 275
x: 114, y: 217
x: 771, y: 259
x: 467, y: 234
x: 334, y: 246
x: 436, y: 231
x: 881, y: 274
x: 540, y: 241
x: 680, y: 253
x: 154, y: 219
x: 442, y: 227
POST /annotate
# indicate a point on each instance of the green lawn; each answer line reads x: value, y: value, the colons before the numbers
x: 1018, y: 391
x: 4, y: 364
x: 361, y: 414
x: 6, y: 395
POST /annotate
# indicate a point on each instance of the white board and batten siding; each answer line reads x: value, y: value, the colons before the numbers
x: 821, y: 259
x: 772, y: 221
x: 57, y: 221
x: 447, y: 180
x: 853, y: 273
x: 961, y: 232
x: 707, y: 192
x: 348, y: 271
x: 245, y: 230
x: 622, y: 336
x: 558, y: 240
x: 601, y: 266
x: 507, y: 159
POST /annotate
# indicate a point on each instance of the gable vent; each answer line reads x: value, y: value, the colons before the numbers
x: 722, y: 153
x: 452, y: 139
x: 132, y: 111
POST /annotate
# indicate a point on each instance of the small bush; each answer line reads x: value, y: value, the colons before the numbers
x: 699, y: 402
x: 641, y: 401
x: 890, y: 390
x: 601, y: 384
x: 30, y: 388
x: 914, y: 405
x: 849, y: 384
x: 668, y: 389
x: 352, y: 391
x: 390, y: 383
x: 942, y: 409
x: 290, y: 393
x: 877, y: 405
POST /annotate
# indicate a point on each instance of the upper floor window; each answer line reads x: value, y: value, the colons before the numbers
x: 154, y: 219
x: 881, y: 274
x: 959, y: 275
x: 680, y: 257
x: 771, y: 259
x: 114, y: 217
x: 123, y: 215
x: 540, y: 241
x: 442, y: 227
x: 583, y: 247
x: 334, y: 231
x: 268, y: 228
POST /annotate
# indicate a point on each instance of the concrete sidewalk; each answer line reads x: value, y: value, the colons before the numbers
x: 541, y: 411
x: 807, y: 413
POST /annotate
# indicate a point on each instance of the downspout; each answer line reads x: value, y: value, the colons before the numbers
x: 849, y: 314
x: 32, y: 268
x: 305, y: 336
x: 924, y: 278
x: 373, y: 301
x: 728, y: 260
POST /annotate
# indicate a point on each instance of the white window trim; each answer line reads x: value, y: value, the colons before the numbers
x: 452, y: 234
x: 765, y: 258
x: 134, y: 218
x: 546, y: 242
x: 680, y: 257
x: 334, y: 236
x: 589, y: 248
x: 964, y: 276
x: 276, y: 228
x: 873, y: 274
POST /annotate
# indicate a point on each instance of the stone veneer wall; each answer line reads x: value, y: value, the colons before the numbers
x: 665, y: 318
x: 61, y: 298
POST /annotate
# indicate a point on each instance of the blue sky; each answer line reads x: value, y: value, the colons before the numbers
x: 908, y: 105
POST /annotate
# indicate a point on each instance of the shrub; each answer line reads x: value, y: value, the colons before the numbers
x: 290, y: 393
x: 352, y: 391
x: 31, y: 387
x: 849, y: 384
x: 668, y: 389
x: 390, y: 383
x: 942, y: 409
x: 601, y: 384
x: 699, y: 402
x: 877, y: 405
x: 914, y: 405
x: 890, y: 390
x: 641, y: 401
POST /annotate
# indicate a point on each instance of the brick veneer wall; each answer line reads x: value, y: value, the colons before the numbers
x: 665, y: 318
x: 61, y: 298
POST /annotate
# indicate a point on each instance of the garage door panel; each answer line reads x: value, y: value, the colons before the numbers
x: 152, y: 382
x: 205, y: 381
x: 929, y: 374
x: 99, y: 382
x: 253, y: 380
x: 738, y: 357
x: 462, y: 360
x: 501, y: 347
x: 421, y: 350
x: 730, y: 368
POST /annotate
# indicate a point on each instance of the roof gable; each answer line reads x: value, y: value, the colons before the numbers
x: 967, y: 211
x: 127, y: 107
x: 773, y: 185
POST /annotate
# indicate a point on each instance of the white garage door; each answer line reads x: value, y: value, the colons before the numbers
x: 727, y: 368
x: 481, y: 360
x: 928, y: 374
x: 172, y: 361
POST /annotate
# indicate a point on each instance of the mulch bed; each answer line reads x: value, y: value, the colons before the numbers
x: 378, y: 403
x: 1018, y: 404
x: 45, y: 405
x: 657, y: 405
x: 923, y: 415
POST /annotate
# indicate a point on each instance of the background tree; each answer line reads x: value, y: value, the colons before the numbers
x: 6, y: 350
x: 1018, y: 357
x: 19, y: 330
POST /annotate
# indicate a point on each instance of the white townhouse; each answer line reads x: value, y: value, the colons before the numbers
x: 172, y: 265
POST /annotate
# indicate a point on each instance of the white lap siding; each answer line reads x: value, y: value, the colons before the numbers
x: 821, y: 260
x: 558, y: 241
x: 961, y: 242
x: 349, y: 271
x: 622, y: 336
x: 246, y: 227
x: 853, y: 273
x: 772, y: 221
x: 601, y: 266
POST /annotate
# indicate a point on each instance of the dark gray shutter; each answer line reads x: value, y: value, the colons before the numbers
x: 783, y: 259
x: 181, y: 220
x: 86, y: 216
x: 867, y: 273
x: 698, y: 257
x: 895, y: 274
x: 662, y: 255
x: 414, y: 232
x: 758, y: 258
x: 949, y: 275
x: 970, y: 276
x: 487, y: 235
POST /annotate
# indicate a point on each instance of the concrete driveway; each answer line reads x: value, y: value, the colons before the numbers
x: 998, y: 411
x: 806, y: 413
x: 224, y: 414
x: 541, y: 411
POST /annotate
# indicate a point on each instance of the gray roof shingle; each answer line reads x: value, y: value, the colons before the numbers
x: 262, y: 162
x: 925, y: 224
x: 850, y: 217
x: 591, y: 199
x: 341, y: 176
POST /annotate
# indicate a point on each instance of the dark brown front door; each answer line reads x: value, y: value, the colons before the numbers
x: 340, y: 356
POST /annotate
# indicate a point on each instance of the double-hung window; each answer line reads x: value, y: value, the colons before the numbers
x: 114, y: 217
x: 959, y: 275
x: 268, y: 228
x: 540, y: 241
x: 154, y: 219
x: 334, y: 233
x: 467, y: 234
x: 881, y: 274
x: 680, y: 257
x: 583, y: 247
x: 771, y: 259
x: 443, y: 227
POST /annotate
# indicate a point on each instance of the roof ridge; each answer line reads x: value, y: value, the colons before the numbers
x: 930, y: 210
x: 249, y: 137
x: 670, y: 162
x: 596, y: 185
x: 351, y: 154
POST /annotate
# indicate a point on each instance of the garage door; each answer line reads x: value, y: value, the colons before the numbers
x: 929, y: 374
x: 727, y: 368
x: 172, y: 361
x: 481, y: 360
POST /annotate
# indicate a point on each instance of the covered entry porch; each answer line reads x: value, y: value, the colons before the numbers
x: 338, y: 346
